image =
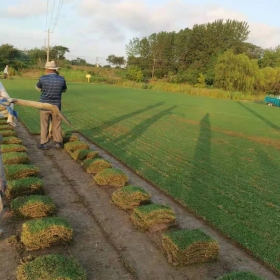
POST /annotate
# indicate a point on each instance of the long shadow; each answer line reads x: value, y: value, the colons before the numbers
x: 200, y: 174
x: 259, y: 116
x: 139, y: 129
x: 126, y: 116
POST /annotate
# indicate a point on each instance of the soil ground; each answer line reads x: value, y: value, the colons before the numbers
x: 105, y: 242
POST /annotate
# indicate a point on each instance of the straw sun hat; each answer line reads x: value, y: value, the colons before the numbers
x: 51, y: 65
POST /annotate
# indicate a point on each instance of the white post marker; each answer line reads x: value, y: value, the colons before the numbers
x: 88, y: 76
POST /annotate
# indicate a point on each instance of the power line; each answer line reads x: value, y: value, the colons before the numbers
x: 47, y: 15
x: 52, y: 14
x: 58, y: 13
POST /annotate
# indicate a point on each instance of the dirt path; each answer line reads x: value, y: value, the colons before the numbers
x: 105, y: 242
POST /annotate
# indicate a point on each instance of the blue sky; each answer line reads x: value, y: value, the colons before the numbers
x: 94, y: 29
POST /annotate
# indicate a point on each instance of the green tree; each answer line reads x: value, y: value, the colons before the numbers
x: 236, y: 72
x: 9, y: 55
x: 270, y: 58
x: 116, y: 60
x: 37, y: 56
x: 58, y: 52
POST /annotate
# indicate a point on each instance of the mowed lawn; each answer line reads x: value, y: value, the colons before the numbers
x: 220, y: 158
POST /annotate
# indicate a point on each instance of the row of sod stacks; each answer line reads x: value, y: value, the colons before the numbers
x: 183, y: 247
x: 25, y: 191
x: 104, y: 173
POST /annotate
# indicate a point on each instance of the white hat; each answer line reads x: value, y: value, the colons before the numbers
x: 51, y: 65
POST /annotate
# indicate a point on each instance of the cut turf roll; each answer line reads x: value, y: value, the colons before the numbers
x: 111, y: 177
x: 6, y: 127
x: 153, y: 217
x: 70, y: 147
x: 95, y: 165
x: 51, y: 267
x: 8, y: 148
x: 83, y: 154
x: 130, y: 197
x: 6, y: 133
x: 18, y: 171
x: 33, y: 206
x: 70, y: 138
x: 24, y: 186
x: 11, y: 140
x: 185, y: 247
x: 15, y: 158
x: 45, y: 232
x: 240, y: 275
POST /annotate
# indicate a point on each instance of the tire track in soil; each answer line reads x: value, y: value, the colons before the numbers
x: 105, y: 242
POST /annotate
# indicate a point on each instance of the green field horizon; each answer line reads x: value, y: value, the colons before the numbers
x: 218, y: 157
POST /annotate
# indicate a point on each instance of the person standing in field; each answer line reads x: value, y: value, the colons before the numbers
x: 6, y: 72
x: 51, y: 87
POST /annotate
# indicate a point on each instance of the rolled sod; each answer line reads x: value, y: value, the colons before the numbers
x: 129, y: 197
x: 111, y: 177
x: 95, y: 165
x: 18, y: 171
x: 185, y: 247
x: 45, y: 232
x: 153, y: 217
x: 70, y: 147
x: 83, y: 154
x: 51, y: 267
x: 24, y: 186
x: 33, y: 206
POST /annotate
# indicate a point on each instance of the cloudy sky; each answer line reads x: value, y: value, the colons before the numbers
x: 94, y: 29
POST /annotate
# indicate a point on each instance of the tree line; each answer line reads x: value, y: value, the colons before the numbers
x: 215, y: 54
x: 212, y: 54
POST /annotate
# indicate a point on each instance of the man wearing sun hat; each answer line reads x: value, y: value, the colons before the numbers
x: 51, y: 87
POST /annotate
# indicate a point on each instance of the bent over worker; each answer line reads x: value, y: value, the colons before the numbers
x: 51, y: 87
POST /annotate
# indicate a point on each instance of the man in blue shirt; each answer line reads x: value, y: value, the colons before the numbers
x: 51, y: 87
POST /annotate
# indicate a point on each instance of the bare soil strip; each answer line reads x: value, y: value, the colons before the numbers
x: 105, y: 241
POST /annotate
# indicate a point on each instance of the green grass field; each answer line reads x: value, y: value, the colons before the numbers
x: 218, y: 157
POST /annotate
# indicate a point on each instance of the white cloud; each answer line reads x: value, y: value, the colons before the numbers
x: 98, y: 28
x: 27, y: 8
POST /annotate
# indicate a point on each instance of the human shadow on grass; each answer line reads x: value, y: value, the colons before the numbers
x: 269, y: 123
x: 125, y: 116
x: 140, y: 128
x: 195, y: 182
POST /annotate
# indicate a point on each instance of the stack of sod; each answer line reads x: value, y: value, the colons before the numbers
x: 24, y: 186
x: 15, y: 158
x: 33, y: 206
x: 96, y: 165
x: 9, y: 148
x: 111, y: 177
x: 18, y: 171
x: 6, y: 133
x: 45, y: 232
x: 153, y: 217
x: 11, y: 140
x: 70, y: 147
x: 70, y: 138
x: 83, y: 154
x: 52, y: 267
x: 130, y: 197
x: 185, y: 247
x: 6, y: 127
x: 245, y: 275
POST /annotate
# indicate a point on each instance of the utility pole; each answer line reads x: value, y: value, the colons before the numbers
x: 97, y: 62
x: 153, y: 67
